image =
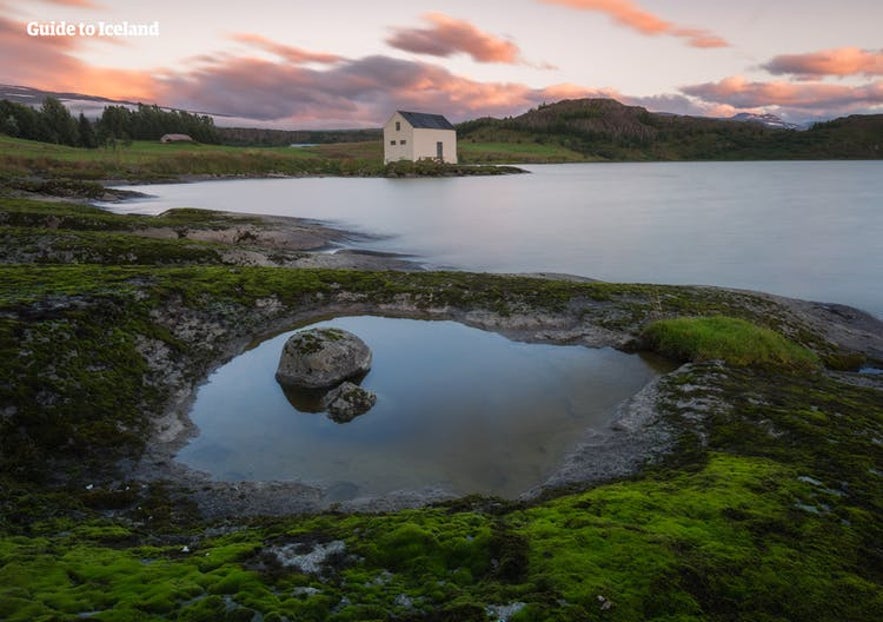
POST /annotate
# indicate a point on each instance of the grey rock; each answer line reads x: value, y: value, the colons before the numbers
x: 320, y: 358
x: 308, y: 559
x: 348, y: 401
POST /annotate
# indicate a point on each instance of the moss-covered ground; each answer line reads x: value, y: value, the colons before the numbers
x: 735, y: 341
x: 769, y: 508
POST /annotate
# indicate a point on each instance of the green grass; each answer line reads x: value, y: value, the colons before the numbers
x: 733, y: 340
x: 515, y: 152
x: 148, y: 160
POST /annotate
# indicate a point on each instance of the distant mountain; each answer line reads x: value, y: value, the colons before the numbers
x: 604, y: 129
x: 28, y: 95
x: 768, y: 120
x: 90, y: 105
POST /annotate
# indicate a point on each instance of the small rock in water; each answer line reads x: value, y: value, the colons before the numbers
x: 348, y: 401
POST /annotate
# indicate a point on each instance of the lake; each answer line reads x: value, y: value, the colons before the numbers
x: 458, y: 409
x: 810, y: 230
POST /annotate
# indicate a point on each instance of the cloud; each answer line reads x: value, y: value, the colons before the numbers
x: 286, y: 52
x: 298, y: 88
x: 33, y: 55
x: 362, y: 92
x: 626, y: 13
x: 848, y: 61
x: 355, y: 92
x: 448, y: 36
x: 83, y: 4
x: 799, y: 99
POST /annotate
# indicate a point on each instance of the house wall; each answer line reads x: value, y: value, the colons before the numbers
x: 399, y: 150
x: 418, y: 143
x: 425, y: 144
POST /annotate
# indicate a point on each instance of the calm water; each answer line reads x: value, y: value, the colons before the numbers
x: 806, y: 229
x: 457, y: 407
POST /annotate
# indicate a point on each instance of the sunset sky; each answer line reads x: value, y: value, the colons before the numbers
x: 293, y: 64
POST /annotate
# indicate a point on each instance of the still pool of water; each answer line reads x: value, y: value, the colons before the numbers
x: 458, y: 408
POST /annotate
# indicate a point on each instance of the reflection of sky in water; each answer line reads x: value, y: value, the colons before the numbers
x: 456, y: 406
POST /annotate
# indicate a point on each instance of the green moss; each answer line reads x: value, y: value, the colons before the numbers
x: 732, y: 540
x: 693, y: 544
x: 733, y: 340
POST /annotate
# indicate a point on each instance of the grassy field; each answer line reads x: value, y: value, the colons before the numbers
x: 150, y: 160
x: 147, y: 160
x: 516, y: 152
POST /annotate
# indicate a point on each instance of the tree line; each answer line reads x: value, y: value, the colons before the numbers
x: 53, y: 123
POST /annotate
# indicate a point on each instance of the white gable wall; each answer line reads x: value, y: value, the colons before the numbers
x: 398, y: 144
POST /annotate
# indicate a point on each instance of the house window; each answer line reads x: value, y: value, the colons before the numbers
x: 398, y: 126
x: 403, y: 142
x: 392, y: 142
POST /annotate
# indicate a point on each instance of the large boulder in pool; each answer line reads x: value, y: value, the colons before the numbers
x: 321, y: 358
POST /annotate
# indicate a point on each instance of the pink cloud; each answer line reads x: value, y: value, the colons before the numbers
x: 848, y: 61
x: 447, y: 36
x: 84, y: 4
x: 298, y: 88
x: 628, y: 14
x: 802, y: 99
x: 355, y: 92
x: 50, y: 63
x: 286, y: 52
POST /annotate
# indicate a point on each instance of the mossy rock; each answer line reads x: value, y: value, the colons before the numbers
x: 321, y: 358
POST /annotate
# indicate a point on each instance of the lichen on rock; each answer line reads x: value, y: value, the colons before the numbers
x: 347, y: 401
x: 322, y: 358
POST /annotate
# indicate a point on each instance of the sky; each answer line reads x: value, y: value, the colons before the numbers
x: 345, y: 64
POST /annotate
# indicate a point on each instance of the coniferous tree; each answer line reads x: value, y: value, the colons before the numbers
x: 86, y: 133
x: 60, y: 126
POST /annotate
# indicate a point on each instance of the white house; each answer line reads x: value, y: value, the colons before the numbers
x: 416, y: 135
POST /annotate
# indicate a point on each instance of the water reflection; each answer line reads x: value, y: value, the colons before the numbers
x: 457, y: 407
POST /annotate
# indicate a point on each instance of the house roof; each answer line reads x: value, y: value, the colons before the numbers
x: 426, y: 120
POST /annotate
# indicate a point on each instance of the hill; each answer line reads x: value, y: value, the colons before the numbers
x: 604, y: 129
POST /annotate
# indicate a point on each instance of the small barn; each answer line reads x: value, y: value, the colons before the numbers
x: 176, y: 138
x: 416, y: 135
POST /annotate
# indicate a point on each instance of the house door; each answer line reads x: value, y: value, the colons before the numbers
x: 440, y: 151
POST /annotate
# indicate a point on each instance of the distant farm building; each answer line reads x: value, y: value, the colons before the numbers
x: 416, y: 135
x: 176, y: 138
